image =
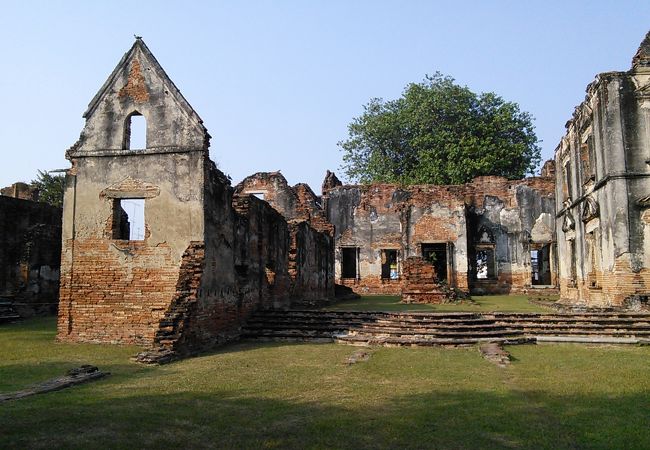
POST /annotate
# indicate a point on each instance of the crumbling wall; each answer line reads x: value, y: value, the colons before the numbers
x: 261, y: 255
x: 491, y: 220
x: 508, y: 219
x: 311, y: 265
x: 274, y: 189
x: 294, y: 203
x: 113, y: 289
x: 420, y: 282
x: 602, y: 190
x: 30, y: 248
x: 311, y: 251
x: 207, y: 258
x: 20, y: 190
x: 382, y: 218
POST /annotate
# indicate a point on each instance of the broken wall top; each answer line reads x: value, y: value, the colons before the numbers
x: 640, y: 70
x: 642, y: 56
x: 391, y: 196
x: 139, y: 86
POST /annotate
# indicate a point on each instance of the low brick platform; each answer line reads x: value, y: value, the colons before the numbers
x: 455, y: 329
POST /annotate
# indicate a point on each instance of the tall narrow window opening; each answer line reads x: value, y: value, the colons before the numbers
x: 540, y: 262
x: 349, y: 262
x: 135, y: 132
x: 128, y: 219
x: 389, y: 265
x: 485, y: 263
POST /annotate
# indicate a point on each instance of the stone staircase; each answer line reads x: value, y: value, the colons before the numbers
x: 454, y: 329
x: 7, y: 311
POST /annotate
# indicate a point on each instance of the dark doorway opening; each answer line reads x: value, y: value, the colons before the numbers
x: 540, y: 261
x: 436, y: 254
x: 349, y: 262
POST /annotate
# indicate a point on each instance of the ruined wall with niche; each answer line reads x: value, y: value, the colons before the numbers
x: 30, y: 248
x: 602, y: 190
x: 491, y: 220
x: 507, y: 220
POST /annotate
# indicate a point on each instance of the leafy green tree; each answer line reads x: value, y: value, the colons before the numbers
x: 441, y: 133
x: 50, y: 188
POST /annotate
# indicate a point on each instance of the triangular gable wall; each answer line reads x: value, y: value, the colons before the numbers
x: 140, y: 86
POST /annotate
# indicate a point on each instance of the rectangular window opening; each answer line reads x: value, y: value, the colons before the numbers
x: 485, y: 264
x: 128, y: 219
x: 349, y: 262
x: 389, y: 269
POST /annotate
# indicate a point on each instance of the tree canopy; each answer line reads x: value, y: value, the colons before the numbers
x: 50, y: 188
x: 440, y: 133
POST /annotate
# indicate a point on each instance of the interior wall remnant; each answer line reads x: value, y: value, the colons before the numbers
x: 311, y: 253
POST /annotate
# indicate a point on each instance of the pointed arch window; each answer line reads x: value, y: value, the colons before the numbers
x: 135, y: 132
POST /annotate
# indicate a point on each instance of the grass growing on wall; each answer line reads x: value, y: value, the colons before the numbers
x: 274, y: 395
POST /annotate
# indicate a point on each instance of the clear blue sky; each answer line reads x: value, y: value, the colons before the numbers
x: 277, y: 82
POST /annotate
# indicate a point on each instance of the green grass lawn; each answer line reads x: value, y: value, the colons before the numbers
x: 488, y: 303
x: 274, y: 395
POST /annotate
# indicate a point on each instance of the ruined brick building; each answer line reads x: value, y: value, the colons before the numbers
x: 603, y: 190
x: 492, y: 235
x: 207, y: 255
x: 204, y: 257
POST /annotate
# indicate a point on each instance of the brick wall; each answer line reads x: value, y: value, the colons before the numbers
x: 115, y: 291
x: 30, y: 248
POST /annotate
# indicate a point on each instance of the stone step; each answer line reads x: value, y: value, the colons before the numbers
x: 343, y: 324
x: 534, y: 326
x: 570, y: 317
x: 423, y: 342
x: 257, y: 321
x: 436, y: 333
x: 590, y: 339
x: 573, y: 320
x: 619, y: 332
x: 463, y: 328
x: 287, y: 333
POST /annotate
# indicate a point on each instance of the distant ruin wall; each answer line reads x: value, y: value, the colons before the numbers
x: 30, y: 248
x: 479, y: 234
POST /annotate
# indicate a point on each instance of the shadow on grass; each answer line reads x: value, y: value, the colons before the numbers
x: 459, y: 419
